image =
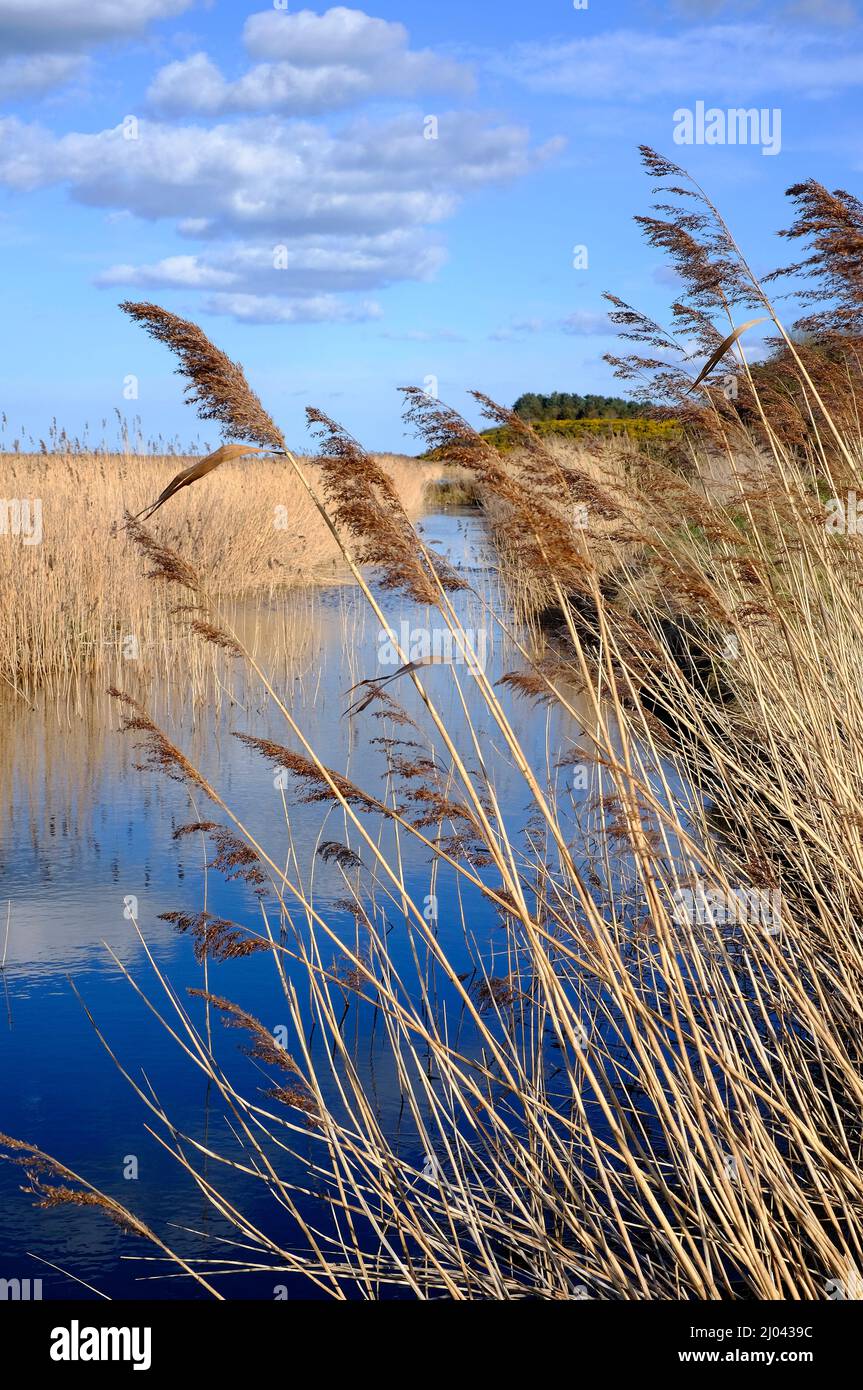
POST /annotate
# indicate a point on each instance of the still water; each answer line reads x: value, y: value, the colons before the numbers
x: 87, y: 850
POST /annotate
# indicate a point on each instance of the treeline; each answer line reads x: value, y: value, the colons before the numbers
x: 567, y: 405
x: 661, y: 433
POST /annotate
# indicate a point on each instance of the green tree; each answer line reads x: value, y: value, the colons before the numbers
x: 567, y: 405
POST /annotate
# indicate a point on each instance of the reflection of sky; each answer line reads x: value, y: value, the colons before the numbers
x: 88, y: 831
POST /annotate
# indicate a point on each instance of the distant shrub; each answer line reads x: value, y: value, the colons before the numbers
x: 567, y: 405
x: 637, y: 427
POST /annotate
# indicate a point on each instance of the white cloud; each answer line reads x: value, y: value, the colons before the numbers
x: 743, y: 61
x: 253, y: 308
x: 301, y: 267
x: 32, y: 75
x: 173, y: 272
x: 55, y: 26
x: 309, y: 64
x: 341, y: 35
x: 271, y: 177
x: 355, y: 207
x: 43, y: 42
x: 583, y: 323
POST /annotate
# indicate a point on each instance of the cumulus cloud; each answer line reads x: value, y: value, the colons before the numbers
x: 303, y: 267
x: 310, y: 63
x: 172, y: 272
x: 43, y: 42
x: 32, y: 75
x: 341, y: 35
x: 247, y: 172
x: 348, y: 211
x: 743, y: 60
x: 254, y: 308
x: 271, y: 177
x: 56, y: 26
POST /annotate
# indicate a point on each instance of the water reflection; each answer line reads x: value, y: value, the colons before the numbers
x: 87, y: 846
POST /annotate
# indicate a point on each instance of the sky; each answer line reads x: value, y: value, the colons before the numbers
x: 349, y: 200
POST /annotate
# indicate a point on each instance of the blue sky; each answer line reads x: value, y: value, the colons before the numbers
x: 265, y: 170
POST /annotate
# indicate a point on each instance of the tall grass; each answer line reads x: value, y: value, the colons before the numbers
x: 72, y: 602
x: 640, y: 1088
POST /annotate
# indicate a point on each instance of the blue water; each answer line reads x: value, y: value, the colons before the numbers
x: 84, y: 834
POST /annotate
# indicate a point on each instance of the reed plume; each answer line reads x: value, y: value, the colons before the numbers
x: 215, y: 938
x: 832, y: 225
x: 367, y: 507
x: 160, y: 754
x: 215, y: 386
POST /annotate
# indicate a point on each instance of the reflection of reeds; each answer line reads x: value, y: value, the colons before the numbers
x: 611, y: 1096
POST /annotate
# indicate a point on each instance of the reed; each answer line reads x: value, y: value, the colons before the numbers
x: 640, y: 1088
x: 76, y: 603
